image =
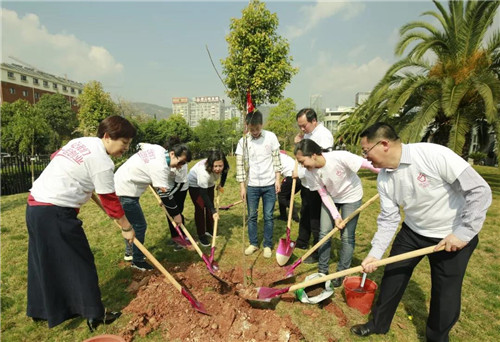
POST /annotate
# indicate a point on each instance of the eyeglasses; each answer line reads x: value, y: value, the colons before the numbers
x: 365, y: 153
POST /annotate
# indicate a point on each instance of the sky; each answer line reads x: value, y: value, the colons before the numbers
x: 154, y: 51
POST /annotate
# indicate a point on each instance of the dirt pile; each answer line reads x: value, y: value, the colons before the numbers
x: 159, y: 306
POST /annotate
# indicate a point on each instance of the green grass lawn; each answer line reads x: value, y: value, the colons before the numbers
x: 481, y: 289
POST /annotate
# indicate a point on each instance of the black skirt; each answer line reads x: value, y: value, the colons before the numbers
x: 62, y: 277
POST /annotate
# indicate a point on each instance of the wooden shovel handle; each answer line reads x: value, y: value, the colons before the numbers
x: 292, y: 196
x: 143, y: 249
x: 216, y: 222
x: 357, y: 269
x: 184, y: 230
x: 333, y: 231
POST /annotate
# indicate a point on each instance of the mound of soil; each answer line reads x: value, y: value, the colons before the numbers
x: 160, y: 306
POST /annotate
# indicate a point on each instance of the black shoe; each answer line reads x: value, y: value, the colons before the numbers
x: 304, y: 247
x: 209, y: 235
x: 281, y: 218
x: 337, y: 282
x: 142, y: 266
x: 310, y: 260
x: 362, y: 329
x: 296, y: 218
x: 204, y: 241
x: 108, y: 318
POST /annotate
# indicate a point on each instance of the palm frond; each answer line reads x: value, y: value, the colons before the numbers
x: 462, y: 125
x: 488, y: 88
x: 414, y: 131
x: 452, y: 95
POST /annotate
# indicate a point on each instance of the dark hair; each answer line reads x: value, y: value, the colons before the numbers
x: 173, y: 144
x: 380, y: 130
x: 309, y: 113
x: 212, y: 157
x: 308, y: 147
x: 117, y: 127
x: 254, y: 118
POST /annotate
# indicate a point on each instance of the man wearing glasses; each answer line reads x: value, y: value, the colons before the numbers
x: 445, y: 202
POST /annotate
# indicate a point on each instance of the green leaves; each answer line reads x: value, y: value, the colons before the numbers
x: 257, y: 58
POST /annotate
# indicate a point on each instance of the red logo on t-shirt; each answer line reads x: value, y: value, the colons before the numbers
x: 422, y: 178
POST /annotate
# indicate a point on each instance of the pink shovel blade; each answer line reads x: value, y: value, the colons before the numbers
x: 181, y: 241
x: 284, y: 251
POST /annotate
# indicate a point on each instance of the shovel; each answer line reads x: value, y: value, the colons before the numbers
x: 290, y: 269
x: 231, y: 205
x: 286, y: 246
x: 190, y: 238
x: 198, y: 306
x: 215, y: 266
x: 267, y: 293
x: 361, y: 288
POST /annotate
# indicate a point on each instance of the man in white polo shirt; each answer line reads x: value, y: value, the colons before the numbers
x: 445, y: 202
x: 310, y: 211
x: 259, y: 149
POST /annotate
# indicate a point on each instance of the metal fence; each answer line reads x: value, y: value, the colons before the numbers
x: 17, y: 172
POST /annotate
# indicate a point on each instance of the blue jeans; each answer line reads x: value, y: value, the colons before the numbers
x: 268, y: 194
x: 347, y: 236
x: 135, y: 216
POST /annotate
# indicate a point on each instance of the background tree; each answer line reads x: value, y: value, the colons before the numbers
x: 258, y: 58
x: 214, y: 134
x: 94, y: 106
x: 446, y: 85
x: 23, y: 130
x: 281, y: 121
x: 57, y: 112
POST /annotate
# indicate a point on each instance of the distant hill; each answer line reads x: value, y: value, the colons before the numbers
x: 152, y: 110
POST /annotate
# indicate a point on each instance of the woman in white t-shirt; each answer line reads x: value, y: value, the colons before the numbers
x: 202, y: 178
x: 152, y: 164
x: 336, y: 175
x: 62, y: 277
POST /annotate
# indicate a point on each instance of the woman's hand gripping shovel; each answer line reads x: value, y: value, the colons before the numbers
x: 231, y: 205
x: 190, y: 238
x: 198, y: 306
x: 290, y: 269
x: 266, y: 293
x: 286, y: 246
x: 215, y: 266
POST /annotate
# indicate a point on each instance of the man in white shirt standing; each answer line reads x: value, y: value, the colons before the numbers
x: 445, y: 202
x: 310, y: 211
x: 264, y: 170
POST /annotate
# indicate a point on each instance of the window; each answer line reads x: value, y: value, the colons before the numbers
x: 79, y: 91
x: 65, y: 88
x: 37, y: 95
x: 45, y: 83
x: 72, y: 90
x: 24, y: 78
x: 35, y: 81
x: 25, y: 93
x: 54, y: 86
x: 12, y: 90
x: 10, y: 74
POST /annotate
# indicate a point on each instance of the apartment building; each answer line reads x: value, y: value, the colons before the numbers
x: 21, y: 82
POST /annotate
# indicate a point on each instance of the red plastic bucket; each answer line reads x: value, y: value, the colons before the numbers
x: 360, y: 299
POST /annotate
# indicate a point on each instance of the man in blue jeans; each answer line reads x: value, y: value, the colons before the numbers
x: 258, y: 152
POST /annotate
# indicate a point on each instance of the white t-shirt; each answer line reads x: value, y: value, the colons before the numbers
x: 148, y: 166
x: 80, y: 167
x: 324, y: 138
x: 321, y: 136
x: 181, y: 176
x: 261, y: 169
x: 198, y: 176
x: 339, y: 176
x: 421, y: 185
x: 287, y: 165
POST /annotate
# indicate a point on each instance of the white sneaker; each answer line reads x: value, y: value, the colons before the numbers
x: 267, y: 252
x: 251, y: 249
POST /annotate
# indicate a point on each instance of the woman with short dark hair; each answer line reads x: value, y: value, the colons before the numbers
x: 62, y: 277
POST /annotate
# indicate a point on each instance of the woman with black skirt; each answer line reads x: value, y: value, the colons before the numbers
x: 62, y: 277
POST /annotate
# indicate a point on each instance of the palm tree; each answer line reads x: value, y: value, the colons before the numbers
x: 447, y: 84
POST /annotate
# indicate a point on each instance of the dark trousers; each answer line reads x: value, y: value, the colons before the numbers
x: 310, y: 214
x: 285, y: 194
x: 180, y: 197
x: 62, y: 277
x: 202, y: 216
x: 447, y: 274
